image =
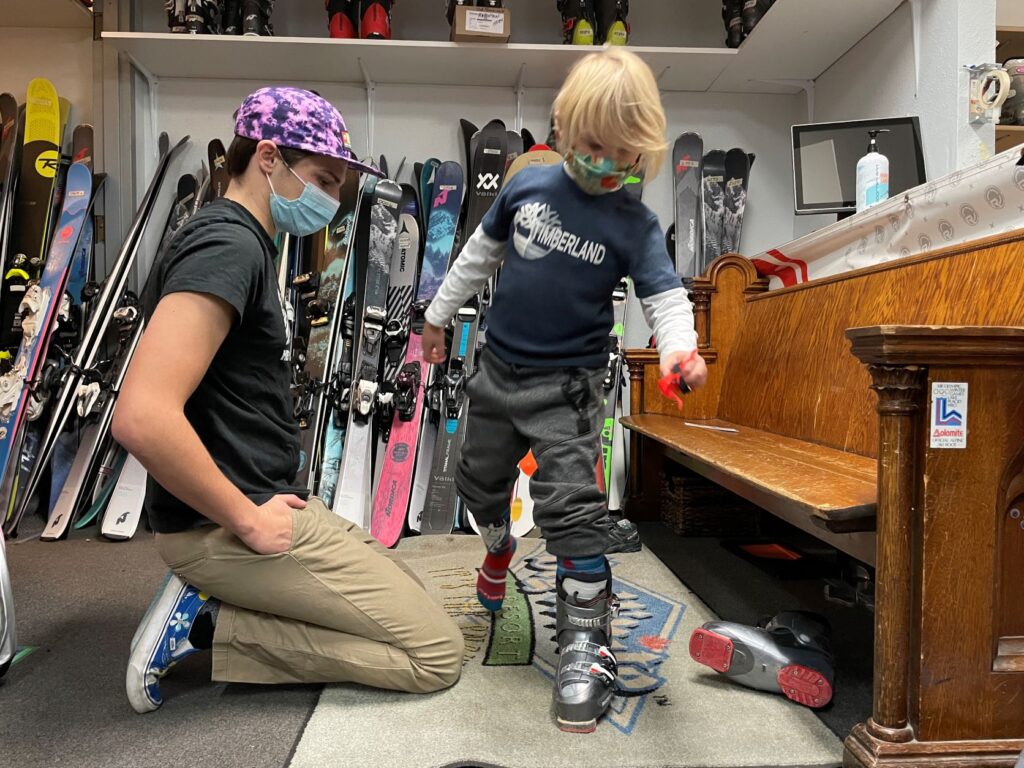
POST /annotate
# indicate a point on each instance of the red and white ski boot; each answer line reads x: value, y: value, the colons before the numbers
x: 790, y: 655
x: 341, y: 18
x: 375, y: 20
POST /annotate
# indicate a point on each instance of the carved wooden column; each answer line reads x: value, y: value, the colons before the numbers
x: 900, y: 400
x: 700, y: 295
x: 949, y: 634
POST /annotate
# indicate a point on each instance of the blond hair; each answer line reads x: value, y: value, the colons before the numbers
x: 612, y: 96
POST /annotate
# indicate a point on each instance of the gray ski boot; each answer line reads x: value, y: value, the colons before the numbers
x: 585, y: 682
x: 790, y: 655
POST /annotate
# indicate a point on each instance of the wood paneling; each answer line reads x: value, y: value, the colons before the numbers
x: 791, y: 372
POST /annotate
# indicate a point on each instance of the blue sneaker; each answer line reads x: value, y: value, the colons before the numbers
x: 162, y: 642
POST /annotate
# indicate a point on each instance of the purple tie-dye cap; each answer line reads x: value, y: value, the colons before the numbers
x: 298, y: 119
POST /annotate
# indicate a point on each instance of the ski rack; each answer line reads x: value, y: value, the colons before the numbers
x: 93, y: 335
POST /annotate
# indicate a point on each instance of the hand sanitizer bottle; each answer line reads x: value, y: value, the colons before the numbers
x: 872, y: 175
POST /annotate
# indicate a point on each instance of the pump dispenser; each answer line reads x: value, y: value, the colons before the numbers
x: 872, y: 174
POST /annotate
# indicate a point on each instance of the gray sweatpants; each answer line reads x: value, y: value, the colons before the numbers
x: 556, y: 413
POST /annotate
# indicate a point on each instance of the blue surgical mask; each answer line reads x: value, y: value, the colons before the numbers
x: 310, y: 212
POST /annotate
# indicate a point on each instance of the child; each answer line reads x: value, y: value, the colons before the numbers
x: 565, y: 235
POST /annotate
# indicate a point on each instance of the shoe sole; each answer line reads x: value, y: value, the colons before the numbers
x: 805, y: 686
x: 587, y: 726
x: 796, y: 682
x: 142, y: 654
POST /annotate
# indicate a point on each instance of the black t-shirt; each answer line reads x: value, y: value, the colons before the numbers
x: 242, y: 409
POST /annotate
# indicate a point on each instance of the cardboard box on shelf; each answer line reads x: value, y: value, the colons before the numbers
x: 481, y: 25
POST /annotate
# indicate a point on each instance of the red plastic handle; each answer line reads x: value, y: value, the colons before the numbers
x: 672, y: 385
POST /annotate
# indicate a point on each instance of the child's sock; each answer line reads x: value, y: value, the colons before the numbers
x: 583, y: 578
x: 490, y: 581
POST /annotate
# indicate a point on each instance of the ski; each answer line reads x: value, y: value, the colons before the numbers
x: 424, y: 180
x: 352, y: 498
x: 102, y: 484
x: 688, y: 214
x: 124, y: 510
x: 40, y: 160
x: 441, y: 504
x: 713, y: 190
x: 8, y: 641
x: 737, y: 174
x: 339, y: 388
x: 324, y: 291
x: 402, y: 285
x: 96, y: 405
x: 8, y: 170
x: 219, y: 176
x: 613, y: 382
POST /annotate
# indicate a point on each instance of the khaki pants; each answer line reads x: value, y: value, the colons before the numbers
x: 336, y: 607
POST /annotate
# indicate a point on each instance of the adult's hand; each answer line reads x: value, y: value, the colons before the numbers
x: 433, y: 344
x: 269, y: 529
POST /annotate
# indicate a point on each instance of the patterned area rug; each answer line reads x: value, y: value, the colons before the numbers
x: 671, y: 711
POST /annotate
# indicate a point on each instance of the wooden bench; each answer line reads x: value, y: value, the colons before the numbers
x: 838, y: 444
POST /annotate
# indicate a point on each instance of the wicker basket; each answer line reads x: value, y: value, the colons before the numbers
x: 692, y: 505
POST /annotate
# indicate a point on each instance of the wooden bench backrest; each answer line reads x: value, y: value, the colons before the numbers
x: 789, y: 369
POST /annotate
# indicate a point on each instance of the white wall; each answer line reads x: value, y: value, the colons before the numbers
x: 63, y: 56
x: 1010, y: 13
x: 877, y: 79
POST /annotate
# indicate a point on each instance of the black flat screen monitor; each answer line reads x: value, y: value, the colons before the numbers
x: 825, y: 159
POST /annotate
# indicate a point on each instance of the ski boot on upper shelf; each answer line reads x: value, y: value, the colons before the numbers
x: 579, y: 22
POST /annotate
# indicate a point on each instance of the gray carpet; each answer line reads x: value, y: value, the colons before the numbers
x: 79, y: 601
x: 675, y: 714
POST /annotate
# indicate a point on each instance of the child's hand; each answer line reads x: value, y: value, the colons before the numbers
x: 695, y: 370
x: 433, y: 344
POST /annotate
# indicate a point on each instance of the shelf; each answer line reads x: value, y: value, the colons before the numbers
x: 1011, y: 43
x: 393, y: 61
x: 797, y: 40
x: 61, y: 14
x: 1009, y: 136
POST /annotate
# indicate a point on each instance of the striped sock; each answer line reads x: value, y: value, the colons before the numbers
x: 490, y: 580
